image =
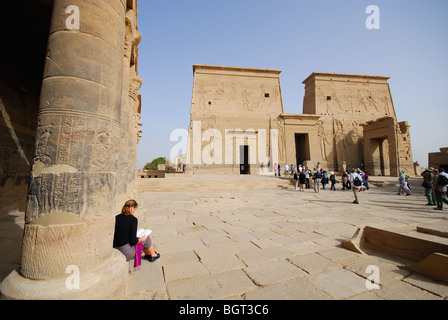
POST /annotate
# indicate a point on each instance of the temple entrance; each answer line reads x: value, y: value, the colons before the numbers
x: 244, y: 160
x: 380, y: 156
x: 302, y: 148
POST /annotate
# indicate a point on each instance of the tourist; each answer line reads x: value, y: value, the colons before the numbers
x: 275, y: 168
x: 317, y: 177
x: 403, y: 185
x: 428, y: 176
x: 440, y: 188
x: 365, y: 180
x: 333, y: 181
x: 324, y: 179
x: 406, y: 178
x: 125, y: 237
x: 286, y: 173
x: 307, y: 177
x: 344, y: 180
x: 356, y: 183
x: 302, y: 180
x: 349, y: 184
x: 296, y: 178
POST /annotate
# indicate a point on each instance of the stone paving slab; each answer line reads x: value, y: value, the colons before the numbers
x: 261, y: 256
x: 428, y: 285
x: 221, y: 263
x: 212, y: 287
x: 401, y: 290
x: 283, y: 244
x: 295, y: 289
x: 273, y: 272
x: 313, y: 263
x: 270, y: 242
x: 339, y: 284
x: 185, y: 270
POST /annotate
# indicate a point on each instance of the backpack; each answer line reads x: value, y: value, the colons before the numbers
x: 442, y: 181
x: 357, y: 181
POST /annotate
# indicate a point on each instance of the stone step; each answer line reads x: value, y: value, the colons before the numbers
x: 213, y: 183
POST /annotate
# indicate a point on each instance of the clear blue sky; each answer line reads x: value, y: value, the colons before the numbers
x: 298, y: 37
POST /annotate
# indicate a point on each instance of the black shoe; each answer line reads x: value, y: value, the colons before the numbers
x: 151, y: 258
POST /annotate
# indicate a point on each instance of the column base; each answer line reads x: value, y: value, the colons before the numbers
x: 107, y: 281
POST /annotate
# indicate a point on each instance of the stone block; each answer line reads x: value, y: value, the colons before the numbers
x: 185, y: 245
x: 186, y: 270
x: 339, y: 284
x: 388, y: 272
x: 313, y: 263
x: 178, y: 257
x: 212, y: 287
x: 404, y: 291
x: 435, y: 287
x: 221, y: 263
x: 260, y: 256
x: 273, y: 272
x: 295, y: 289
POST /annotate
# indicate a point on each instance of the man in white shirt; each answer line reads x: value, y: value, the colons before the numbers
x: 356, y: 182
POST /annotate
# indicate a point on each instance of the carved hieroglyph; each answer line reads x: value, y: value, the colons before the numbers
x: 329, y: 133
x: 233, y: 103
x: 344, y: 102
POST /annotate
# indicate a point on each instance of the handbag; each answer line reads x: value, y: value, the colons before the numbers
x: 425, y: 184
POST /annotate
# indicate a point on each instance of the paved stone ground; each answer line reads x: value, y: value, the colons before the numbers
x: 255, y: 237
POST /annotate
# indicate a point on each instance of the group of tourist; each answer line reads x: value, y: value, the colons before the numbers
x: 435, y: 183
x: 305, y: 178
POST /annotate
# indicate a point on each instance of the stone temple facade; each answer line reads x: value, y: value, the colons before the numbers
x: 238, y: 123
x: 69, y: 131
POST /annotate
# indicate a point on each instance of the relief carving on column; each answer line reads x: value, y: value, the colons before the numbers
x: 132, y: 40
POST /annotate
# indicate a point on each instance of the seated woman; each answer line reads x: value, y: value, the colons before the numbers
x: 125, y: 237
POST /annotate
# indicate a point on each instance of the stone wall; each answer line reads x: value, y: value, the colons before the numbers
x: 240, y: 104
x: 439, y: 159
x: 344, y: 102
x: 329, y: 134
x: 21, y: 69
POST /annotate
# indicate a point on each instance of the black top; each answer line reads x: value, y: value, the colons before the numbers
x: 125, y: 230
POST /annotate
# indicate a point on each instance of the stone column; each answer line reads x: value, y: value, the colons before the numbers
x: 67, y: 245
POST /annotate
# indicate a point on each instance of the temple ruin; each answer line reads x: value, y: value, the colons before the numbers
x: 238, y: 123
x: 69, y: 124
x: 70, y: 111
